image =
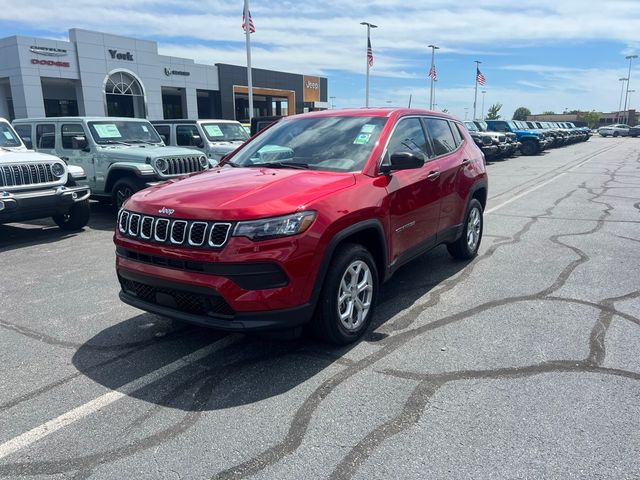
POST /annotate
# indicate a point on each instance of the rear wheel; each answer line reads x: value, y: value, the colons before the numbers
x: 348, y: 297
x: 76, y: 218
x: 466, y: 247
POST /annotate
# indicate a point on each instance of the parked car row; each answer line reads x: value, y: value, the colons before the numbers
x: 505, y: 138
x: 619, y: 130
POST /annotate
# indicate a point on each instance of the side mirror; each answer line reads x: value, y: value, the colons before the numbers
x: 164, y: 138
x: 79, y: 142
x: 403, y: 161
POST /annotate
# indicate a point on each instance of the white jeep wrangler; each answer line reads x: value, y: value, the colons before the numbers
x: 36, y: 185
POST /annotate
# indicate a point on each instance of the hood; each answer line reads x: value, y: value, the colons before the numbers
x: 141, y: 152
x: 24, y: 155
x: 231, y: 194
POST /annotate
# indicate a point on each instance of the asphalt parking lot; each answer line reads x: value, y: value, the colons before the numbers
x: 523, y: 363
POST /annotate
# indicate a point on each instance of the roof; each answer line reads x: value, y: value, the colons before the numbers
x: 191, y: 121
x: 79, y: 119
x: 374, y: 112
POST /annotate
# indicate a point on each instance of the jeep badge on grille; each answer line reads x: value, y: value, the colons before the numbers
x: 166, y: 211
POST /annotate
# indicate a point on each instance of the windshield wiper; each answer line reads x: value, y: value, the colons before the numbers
x: 114, y: 142
x: 296, y: 165
x: 148, y: 142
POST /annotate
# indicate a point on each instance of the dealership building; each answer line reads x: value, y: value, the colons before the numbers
x: 97, y: 74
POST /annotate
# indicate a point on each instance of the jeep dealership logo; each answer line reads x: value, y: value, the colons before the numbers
x: 312, y: 85
x: 121, y: 56
x: 166, y: 211
x: 168, y: 72
x: 50, y: 52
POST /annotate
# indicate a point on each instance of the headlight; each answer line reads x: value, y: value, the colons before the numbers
x: 57, y: 169
x: 477, y: 140
x: 204, y: 163
x: 275, y: 227
x: 162, y: 165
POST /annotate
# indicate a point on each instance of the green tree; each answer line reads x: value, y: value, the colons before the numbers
x: 548, y: 112
x: 494, y: 111
x: 521, y: 113
x: 592, y: 118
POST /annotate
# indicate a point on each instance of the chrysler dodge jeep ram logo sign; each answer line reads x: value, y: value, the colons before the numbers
x: 50, y: 52
x: 51, y: 63
x: 168, y: 72
x: 121, y: 56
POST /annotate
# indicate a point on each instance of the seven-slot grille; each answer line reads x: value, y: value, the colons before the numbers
x: 26, y: 174
x: 185, y: 233
x: 183, y: 165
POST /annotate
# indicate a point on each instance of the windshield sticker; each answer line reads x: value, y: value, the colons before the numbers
x: 107, y: 130
x: 213, y: 130
x: 144, y: 128
x: 8, y: 135
x: 362, y: 139
x: 368, y: 128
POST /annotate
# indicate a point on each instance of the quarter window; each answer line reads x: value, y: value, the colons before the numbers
x: 46, y: 136
x: 187, y: 136
x: 408, y: 136
x: 443, y: 141
x: 70, y: 134
x: 457, y: 134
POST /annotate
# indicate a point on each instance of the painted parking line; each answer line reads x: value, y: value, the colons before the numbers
x: 533, y: 189
x: 47, y: 428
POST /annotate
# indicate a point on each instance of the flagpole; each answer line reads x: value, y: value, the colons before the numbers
x: 475, y: 97
x: 433, y: 63
x: 247, y: 31
x: 369, y: 27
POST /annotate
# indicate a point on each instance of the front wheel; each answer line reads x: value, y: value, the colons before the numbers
x: 348, y: 297
x: 466, y: 247
x: 528, y: 147
x: 615, y: 134
x: 76, y: 218
x: 122, y: 190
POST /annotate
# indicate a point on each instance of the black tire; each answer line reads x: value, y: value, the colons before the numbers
x: 327, y: 324
x: 615, y: 134
x: 123, y: 189
x: 529, y: 147
x: 462, y: 249
x: 76, y: 218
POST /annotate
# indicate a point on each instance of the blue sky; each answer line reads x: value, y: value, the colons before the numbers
x: 543, y: 54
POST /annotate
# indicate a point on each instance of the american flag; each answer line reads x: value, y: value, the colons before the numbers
x: 252, y: 27
x: 369, y: 53
x: 432, y: 73
x: 480, y: 77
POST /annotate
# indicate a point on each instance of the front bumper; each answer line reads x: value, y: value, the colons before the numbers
x: 33, y: 204
x: 490, y: 151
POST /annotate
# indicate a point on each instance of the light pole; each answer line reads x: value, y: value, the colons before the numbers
x: 333, y: 105
x: 475, y: 95
x: 630, y: 92
x: 483, y: 92
x: 626, y: 97
x: 369, y: 57
x: 466, y: 112
x: 621, y: 95
x: 432, y: 74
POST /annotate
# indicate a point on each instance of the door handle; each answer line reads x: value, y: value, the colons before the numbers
x: 466, y: 162
x: 433, y: 175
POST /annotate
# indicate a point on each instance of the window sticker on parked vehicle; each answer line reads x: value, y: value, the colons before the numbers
x: 367, y: 128
x: 8, y: 135
x: 107, y: 130
x: 362, y: 139
x: 214, y: 130
x: 144, y: 128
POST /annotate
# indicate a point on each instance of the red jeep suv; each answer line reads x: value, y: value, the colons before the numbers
x: 304, y: 222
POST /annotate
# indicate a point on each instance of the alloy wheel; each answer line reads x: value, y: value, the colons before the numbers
x: 355, y: 294
x: 473, y: 229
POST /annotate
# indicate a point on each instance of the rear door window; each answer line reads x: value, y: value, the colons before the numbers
x: 441, y: 135
x: 187, y: 136
x: 46, y: 136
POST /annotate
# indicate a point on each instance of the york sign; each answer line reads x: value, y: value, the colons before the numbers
x: 121, y: 56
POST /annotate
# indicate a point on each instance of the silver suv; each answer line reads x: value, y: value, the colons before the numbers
x: 215, y: 138
x: 120, y: 155
x: 35, y: 185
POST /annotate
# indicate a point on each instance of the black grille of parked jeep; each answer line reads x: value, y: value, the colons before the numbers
x: 26, y: 174
x: 183, y: 165
x: 184, y: 233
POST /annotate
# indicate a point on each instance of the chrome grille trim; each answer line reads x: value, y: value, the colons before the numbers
x: 183, y: 165
x: 161, y: 221
x: 204, y: 234
x: 177, y: 223
x: 226, y: 237
x: 185, y: 233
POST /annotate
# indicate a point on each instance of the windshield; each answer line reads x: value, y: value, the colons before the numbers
x: 338, y: 143
x: 472, y: 127
x: 224, y: 132
x: 8, y: 137
x: 123, y: 132
x: 483, y: 126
